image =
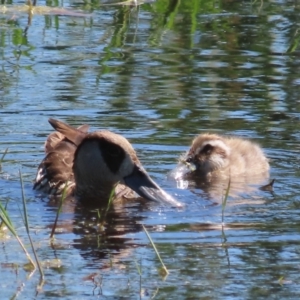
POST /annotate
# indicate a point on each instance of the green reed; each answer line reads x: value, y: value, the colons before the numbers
x: 164, y: 270
x: 42, y: 277
x: 100, y: 215
x: 8, y: 223
x: 224, y: 200
x: 61, y: 202
x: 2, y: 157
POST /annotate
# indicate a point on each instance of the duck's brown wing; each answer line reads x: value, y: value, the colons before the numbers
x: 56, y: 137
x: 52, y: 141
x: 74, y: 135
x: 56, y: 169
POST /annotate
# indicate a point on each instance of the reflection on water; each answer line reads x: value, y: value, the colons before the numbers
x: 159, y: 75
x: 215, y: 188
x: 102, y: 233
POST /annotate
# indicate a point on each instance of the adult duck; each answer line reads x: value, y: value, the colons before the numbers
x: 92, y: 165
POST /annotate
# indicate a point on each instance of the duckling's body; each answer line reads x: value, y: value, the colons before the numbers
x: 92, y: 165
x: 216, y: 155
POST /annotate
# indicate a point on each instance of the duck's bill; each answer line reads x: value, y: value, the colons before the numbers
x: 143, y: 185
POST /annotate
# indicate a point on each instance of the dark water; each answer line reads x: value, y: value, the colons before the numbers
x: 158, y: 75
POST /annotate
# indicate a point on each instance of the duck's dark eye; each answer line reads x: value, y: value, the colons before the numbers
x: 207, y: 149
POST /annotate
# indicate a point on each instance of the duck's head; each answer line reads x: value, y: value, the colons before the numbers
x: 207, y: 154
x: 103, y: 159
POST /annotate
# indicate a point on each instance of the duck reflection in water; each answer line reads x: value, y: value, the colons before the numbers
x: 92, y: 165
x: 213, y: 159
x: 101, y: 234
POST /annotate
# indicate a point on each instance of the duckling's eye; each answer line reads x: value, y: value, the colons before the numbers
x: 207, y: 149
x: 189, y: 159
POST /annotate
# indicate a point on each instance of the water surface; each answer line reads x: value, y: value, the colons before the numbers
x: 158, y: 75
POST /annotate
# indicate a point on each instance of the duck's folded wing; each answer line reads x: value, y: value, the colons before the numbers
x: 56, y: 169
x: 56, y: 137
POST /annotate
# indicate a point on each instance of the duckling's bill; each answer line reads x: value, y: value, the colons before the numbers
x: 183, y: 168
x: 143, y: 185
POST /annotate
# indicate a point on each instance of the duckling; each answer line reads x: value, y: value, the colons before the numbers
x: 213, y: 154
x: 92, y: 164
x: 214, y: 158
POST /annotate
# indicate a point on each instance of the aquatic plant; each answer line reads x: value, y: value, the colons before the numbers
x: 2, y: 158
x: 62, y: 199
x: 4, y: 216
x: 42, y: 277
x: 224, y: 200
x: 164, y: 271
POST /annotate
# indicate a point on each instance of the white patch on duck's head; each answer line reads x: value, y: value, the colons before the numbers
x: 126, y: 167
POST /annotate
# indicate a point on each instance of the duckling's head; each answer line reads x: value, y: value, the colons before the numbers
x: 208, y: 153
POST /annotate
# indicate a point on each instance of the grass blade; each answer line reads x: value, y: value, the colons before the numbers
x: 101, y: 216
x: 2, y: 158
x: 62, y: 200
x: 7, y: 221
x: 165, y: 270
x: 3, y: 155
x: 224, y: 201
x: 138, y: 266
x: 2, y: 223
x: 28, y: 231
x: 24, y: 203
x: 111, y: 197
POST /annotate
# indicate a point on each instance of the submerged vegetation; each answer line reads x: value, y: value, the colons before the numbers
x: 2, y: 158
x: 61, y: 202
x: 7, y: 222
x: 163, y: 271
x: 42, y: 278
x: 224, y: 200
